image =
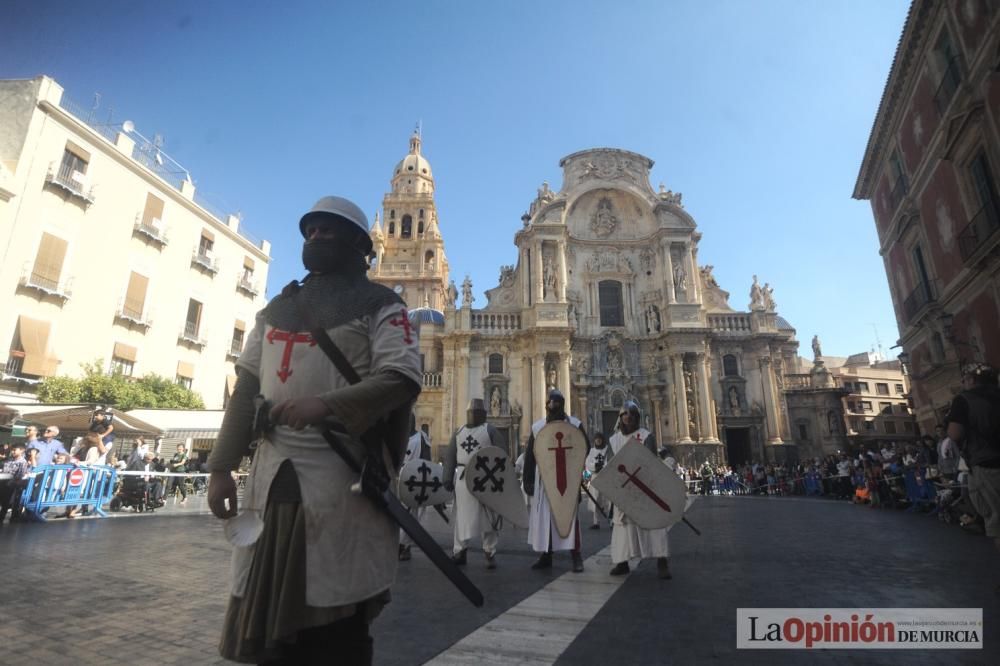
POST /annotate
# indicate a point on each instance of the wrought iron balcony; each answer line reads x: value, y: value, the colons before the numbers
x: 71, y: 182
x: 44, y: 285
x: 204, y: 259
x: 898, y: 191
x: 247, y: 286
x: 192, y: 336
x: 919, y: 299
x: 975, y: 234
x: 132, y: 314
x: 154, y: 230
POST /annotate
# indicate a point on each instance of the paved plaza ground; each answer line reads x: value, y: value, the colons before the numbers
x: 151, y: 589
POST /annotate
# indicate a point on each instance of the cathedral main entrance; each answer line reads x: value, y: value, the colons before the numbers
x: 738, y: 446
x: 609, y: 417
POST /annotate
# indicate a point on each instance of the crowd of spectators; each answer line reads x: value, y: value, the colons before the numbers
x: 926, y: 476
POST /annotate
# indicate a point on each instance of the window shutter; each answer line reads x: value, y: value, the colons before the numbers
x: 34, y: 335
x: 125, y: 352
x: 185, y: 369
x: 49, y: 261
x: 152, y: 211
x: 135, y: 295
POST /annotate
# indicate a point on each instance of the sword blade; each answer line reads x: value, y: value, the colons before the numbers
x: 385, y: 500
x: 594, y: 500
x: 441, y: 512
x: 399, y: 513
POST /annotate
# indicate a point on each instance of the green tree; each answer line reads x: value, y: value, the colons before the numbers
x: 117, y: 390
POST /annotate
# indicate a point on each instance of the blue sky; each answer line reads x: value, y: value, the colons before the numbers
x: 758, y: 112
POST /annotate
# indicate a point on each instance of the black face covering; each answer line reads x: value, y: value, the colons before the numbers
x: 332, y: 256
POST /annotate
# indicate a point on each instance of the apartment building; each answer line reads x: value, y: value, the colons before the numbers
x: 876, y: 406
x: 110, y: 253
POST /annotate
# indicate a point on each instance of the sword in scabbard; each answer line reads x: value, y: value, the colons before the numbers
x: 374, y: 485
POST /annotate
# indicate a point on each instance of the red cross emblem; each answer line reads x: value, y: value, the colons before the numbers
x: 289, y: 338
x: 404, y: 321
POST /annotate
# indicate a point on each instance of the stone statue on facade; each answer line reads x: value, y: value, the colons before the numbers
x: 707, y: 278
x: 545, y: 195
x: 467, y: 292
x: 549, y: 277
x: 583, y: 365
x: 654, y: 365
x: 652, y: 319
x: 550, y: 375
x: 574, y: 315
x: 680, y: 282
x: 452, y: 294
x: 734, y: 398
x: 756, y: 295
x: 495, y: 401
x: 817, y: 350
x: 767, y: 293
x: 506, y: 276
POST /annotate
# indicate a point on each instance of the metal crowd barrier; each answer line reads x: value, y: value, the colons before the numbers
x: 69, y: 485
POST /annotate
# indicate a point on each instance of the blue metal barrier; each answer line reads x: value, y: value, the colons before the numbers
x: 69, y: 485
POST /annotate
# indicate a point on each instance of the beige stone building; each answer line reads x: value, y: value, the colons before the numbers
x: 877, y: 402
x: 607, y: 302
x: 109, y: 253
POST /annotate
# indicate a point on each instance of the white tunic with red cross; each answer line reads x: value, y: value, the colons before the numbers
x: 341, y: 566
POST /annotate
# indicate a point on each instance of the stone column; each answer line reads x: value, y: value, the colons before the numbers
x: 770, y: 408
x: 694, y: 279
x: 461, y: 383
x: 680, y: 399
x: 563, y: 378
x: 658, y: 417
x: 450, y: 377
x: 668, y: 262
x: 526, y: 271
x: 540, y: 392
x: 539, y: 284
x: 709, y: 430
x: 582, y: 414
x: 561, y: 259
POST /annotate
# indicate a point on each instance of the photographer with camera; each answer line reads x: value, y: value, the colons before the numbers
x: 313, y: 561
x: 178, y: 465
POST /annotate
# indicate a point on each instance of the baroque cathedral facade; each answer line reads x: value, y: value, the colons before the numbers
x: 607, y: 302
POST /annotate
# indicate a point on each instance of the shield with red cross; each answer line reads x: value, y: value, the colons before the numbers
x: 648, y: 492
x: 561, y: 451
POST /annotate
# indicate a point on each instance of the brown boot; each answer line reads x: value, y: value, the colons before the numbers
x: 663, y: 568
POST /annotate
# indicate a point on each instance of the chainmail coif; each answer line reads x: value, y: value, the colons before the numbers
x: 332, y: 299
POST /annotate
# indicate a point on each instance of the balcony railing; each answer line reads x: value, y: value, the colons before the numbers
x: 496, y: 322
x: 797, y: 381
x: 132, y: 314
x: 246, y: 285
x: 919, y: 298
x: 45, y: 285
x: 734, y: 324
x: 432, y: 380
x: 70, y: 181
x: 235, y: 349
x: 191, y: 335
x: 948, y: 86
x: 983, y: 225
x: 154, y: 229
x: 204, y: 259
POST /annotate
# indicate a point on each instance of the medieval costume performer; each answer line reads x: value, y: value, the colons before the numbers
x: 542, y: 533
x: 597, y: 458
x: 306, y: 589
x: 628, y: 540
x: 418, y: 447
x: 471, y: 517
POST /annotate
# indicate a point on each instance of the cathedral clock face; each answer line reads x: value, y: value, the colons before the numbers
x: 398, y: 289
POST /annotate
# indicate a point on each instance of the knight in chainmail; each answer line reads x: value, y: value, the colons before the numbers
x: 307, y: 590
x: 470, y: 517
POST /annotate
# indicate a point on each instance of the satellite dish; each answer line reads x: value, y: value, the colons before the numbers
x: 128, y: 126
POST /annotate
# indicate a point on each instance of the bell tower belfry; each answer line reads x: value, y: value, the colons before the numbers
x: 409, y: 249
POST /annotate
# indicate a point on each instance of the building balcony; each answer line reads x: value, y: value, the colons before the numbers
x: 153, y: 230
x: 44, y: 286
x: 797, y: 381
x: 978, y: 231
x: 234, y: 351
x: 432, y: 380
x: 190, y: 335
x: 916, y: 303
x: 948, y: 86
x: 205, y: 260
x: 488, y: 322
x: 729, y: 324
x: 247, y: 286
x: 132, y: 315
x: 71, y: 182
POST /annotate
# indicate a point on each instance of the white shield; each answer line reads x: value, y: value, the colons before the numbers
x: 491, y: 479
x: 561, y: 451
x: 421, y: 484
x: 642, y: 487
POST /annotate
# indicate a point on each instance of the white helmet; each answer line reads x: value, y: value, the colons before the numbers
x: 338, y: 207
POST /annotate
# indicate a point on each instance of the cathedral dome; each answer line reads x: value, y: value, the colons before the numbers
x: 414, y: 164
x: 426, y: 315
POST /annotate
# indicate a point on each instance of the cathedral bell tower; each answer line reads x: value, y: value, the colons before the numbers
x: 409, y: 250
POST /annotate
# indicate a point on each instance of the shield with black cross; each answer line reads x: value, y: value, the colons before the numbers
x: 421, y: 484
x: 491, y: 479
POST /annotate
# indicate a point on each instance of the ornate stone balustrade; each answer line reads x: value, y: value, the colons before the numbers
x: 495, y: 322
x: 733, y: 324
